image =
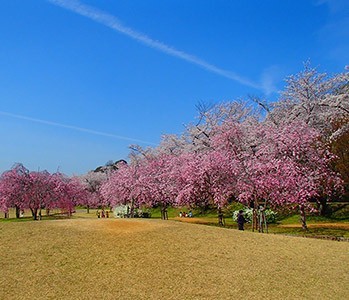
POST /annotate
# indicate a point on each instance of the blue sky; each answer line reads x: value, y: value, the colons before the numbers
x: 81, y: 81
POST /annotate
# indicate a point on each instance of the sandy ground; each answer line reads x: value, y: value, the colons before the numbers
x: 155, y: 259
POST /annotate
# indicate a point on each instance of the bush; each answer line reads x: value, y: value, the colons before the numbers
x: 123, y: 211
x: 269, y: 214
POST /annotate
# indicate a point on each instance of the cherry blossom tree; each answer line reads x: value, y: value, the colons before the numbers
x: 206, y: 178
x: 232, y: 154
x: 92, y: 182
x: 245, y: 159
x: 158, y: 181
x: 292, y: 167
x: 38, y: 192
x: 238, y: 141
x: 22, y: 189
x: 124, y: 187
x: 12, y: 189
x: 322, y: 102
x: 65, y: 193
x: 198, y: 135
x: 279, y: 165
x: 315, y: 99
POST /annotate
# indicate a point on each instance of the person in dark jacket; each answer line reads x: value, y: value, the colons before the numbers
x: 241, y: 220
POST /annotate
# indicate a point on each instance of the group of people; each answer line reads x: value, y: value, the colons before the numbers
x: 240, y: 219
x: 102, y: 214
x: 183, y: 214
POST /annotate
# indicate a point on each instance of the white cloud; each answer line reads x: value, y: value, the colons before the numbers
x: 269, y: 79
x: 76, y: 128
x: 113, y: 23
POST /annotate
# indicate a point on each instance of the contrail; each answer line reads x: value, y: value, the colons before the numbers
x: 113, y: 23
x: 120, y: 137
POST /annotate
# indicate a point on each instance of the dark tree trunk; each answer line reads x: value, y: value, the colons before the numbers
x: 34, y: 213
x: 323, y: 207
x: 221, y: 221
x: 164, y: 214
x: 18, y: 212
x: 254, y: 206
x: 303, y: 217
x: 254, y: 219
x: 132, y: 209
x: 6, y: 215
x: 88, y: 209
x: 262, y: 220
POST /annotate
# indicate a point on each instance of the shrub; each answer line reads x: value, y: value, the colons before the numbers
x: 123, y: 211
x: 269, y: 214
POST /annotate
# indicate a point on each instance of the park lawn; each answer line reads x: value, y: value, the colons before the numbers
x: 155, y: 259
x: 319, y: 227
x: 316, y: 228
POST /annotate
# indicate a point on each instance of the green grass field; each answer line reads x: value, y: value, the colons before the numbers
x: 90, y: 258
x: 335, y: 227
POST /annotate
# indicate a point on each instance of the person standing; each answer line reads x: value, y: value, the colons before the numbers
x: 241, y: 220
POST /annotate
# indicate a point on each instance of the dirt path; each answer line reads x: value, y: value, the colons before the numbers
x: 319, y: 225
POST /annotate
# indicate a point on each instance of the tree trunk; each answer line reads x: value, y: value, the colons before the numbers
x: 47, y: 211
x: 303, y: 217
x: 127, y: 211
x: 34, y: 213
x: 254, y: 219
x: 254, y: 206
x: 6, y: 215
x: 18, y: 211
x: 220, y: 217
x: 132, y: 209
x: 88, y: 209
x: 164, y: 215
x: 262, y: 220
x: 323, y: 207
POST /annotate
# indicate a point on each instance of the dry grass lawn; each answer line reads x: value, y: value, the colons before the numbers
x: 154, y: 259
